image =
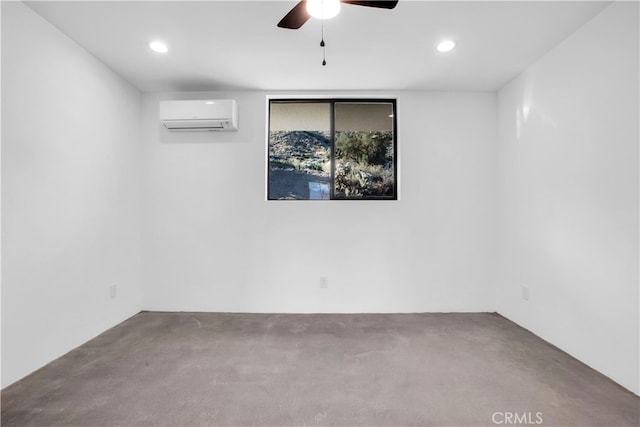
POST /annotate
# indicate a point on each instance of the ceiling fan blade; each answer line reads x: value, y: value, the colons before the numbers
x: 373, y: 3
x: 296, y: 17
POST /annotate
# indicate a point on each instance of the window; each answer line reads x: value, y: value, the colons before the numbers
x: 332, y: 149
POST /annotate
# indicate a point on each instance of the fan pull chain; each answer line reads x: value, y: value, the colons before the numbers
x: 322, y: 45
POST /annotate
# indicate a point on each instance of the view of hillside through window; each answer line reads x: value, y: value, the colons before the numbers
x: 332, y: 149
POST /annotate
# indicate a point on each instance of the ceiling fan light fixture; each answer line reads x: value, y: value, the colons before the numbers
x: 323, y: 9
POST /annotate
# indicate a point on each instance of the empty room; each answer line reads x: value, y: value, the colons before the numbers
x: 320, y: 213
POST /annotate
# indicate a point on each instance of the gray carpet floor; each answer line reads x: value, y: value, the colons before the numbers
x: 213, y: 369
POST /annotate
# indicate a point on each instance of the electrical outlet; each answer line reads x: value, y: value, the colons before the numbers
x: 324, y: 282
x: 525, y: 292
x: 113, y: 290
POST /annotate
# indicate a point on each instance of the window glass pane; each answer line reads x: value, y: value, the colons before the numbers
x: 364, y: 150
x: 299, y: 150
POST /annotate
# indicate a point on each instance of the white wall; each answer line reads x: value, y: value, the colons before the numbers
x: 568, y: 145
x: 211, y: 242
x: 70, y: 194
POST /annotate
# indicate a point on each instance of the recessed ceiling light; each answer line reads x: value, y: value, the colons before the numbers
x: 158, y: 47
x: 209, y: 102
x: 445, y: 46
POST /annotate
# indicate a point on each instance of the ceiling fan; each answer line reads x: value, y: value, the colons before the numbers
x: 300, y: 13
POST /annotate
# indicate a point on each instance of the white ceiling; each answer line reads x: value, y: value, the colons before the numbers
x: 221, y: 45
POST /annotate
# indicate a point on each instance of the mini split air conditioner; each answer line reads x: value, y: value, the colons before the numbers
x: 201, y: 115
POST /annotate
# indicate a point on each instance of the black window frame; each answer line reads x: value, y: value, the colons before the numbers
x: 332, y: 102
